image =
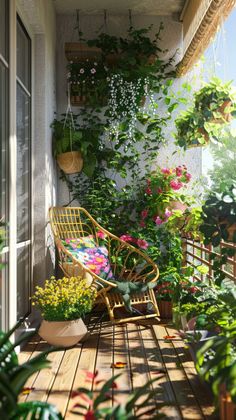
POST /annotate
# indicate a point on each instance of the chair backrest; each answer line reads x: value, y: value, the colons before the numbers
x: 72, y: 222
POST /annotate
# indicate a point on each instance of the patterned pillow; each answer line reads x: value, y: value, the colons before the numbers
x: 92, y: 256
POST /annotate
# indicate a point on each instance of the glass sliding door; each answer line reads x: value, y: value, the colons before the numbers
x: 23, y: 199
x: 4, y: 135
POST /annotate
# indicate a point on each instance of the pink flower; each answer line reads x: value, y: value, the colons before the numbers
x: 158, y: 220
x: 188, y: 176
x: 142, y: 223
x: 178, y: 171
x: 144, y: 213
x: 175, y: 185
x: 101, y: 234
x: 142, y: 243
x: 93, y: 71
x: 168, y: 213
x: 148, y: 191
x: 127, y: 238
x: 166, y: 171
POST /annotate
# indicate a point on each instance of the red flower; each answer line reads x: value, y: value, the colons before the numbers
x: 159, y: 190
x: 188, y: 176
x: 175, y: 185
x: 144, y: 213
x: 193, y: 289
x: 166, y: 171
x: 142, y: 223
x: 90, y: 415
x: 127, y: 238
x: 148, y: 191
x: 142, y: 243
x: 101, y: 234
x: 178, y: 171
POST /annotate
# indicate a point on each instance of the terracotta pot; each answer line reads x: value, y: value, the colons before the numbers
x: 226, y: 116
x: 165, y: 309
x: 70, y: 162
x: 63, y: 333
x: 227, y: 407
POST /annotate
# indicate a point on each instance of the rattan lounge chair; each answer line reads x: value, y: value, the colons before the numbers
x: 128, y: 264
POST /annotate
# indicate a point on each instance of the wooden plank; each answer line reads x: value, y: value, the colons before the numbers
x: 105, y: 358
x: 40, y: 347
x: 138, y: 363
x: 183, y: 392
x: 28, y: 349
x: 165, y: 392
x: 87, y: 363
x: 46, y: 377
x: 121, y: 354
x: 61, y: 389
x: 202, y: 394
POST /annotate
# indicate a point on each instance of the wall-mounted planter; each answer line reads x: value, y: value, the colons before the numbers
x: 70, y: 162
x: 225, y: 117
x: 77, y: 51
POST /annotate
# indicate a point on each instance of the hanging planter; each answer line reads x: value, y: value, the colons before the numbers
x: 190, y: 130
x: 215, y: 101
x: 70, y: 162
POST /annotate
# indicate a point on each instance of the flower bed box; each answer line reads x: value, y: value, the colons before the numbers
x: 77, y: 51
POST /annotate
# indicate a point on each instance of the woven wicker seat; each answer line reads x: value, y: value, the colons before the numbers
x: 127, y: 262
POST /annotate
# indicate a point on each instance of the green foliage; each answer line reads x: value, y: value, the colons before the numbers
x: 219, y: 214
x: 139, y: 404
x: 216, y: 361
x: 213, y: 104
x: 64, y: 299
x: 13, y: 378
x: 65, y: 137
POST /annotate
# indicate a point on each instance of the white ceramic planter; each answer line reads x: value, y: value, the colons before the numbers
x: 63, y: 333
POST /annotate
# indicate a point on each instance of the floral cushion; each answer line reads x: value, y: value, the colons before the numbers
x: 92, y: 256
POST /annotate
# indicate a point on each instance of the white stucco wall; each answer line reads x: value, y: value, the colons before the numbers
x: 39, y: 18
x: 118, y: 25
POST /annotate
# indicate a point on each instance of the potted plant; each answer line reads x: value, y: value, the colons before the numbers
x: 216, y: 363
x: 190, y: 130
x: 215, y: 101
x: 162, y: 194
x: 63, y: 303
x: 67, y: 145
x: 165, y: 289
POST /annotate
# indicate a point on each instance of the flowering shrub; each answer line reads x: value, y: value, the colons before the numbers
x: 141, y: 243
x: 64, y: 299
x: 162, y: 189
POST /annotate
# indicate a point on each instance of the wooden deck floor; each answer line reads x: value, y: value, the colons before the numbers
x: 144, y: 349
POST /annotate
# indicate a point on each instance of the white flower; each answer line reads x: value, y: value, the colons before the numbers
x: 93, y: 71
x: 95, y: 63
x: 81, y: 71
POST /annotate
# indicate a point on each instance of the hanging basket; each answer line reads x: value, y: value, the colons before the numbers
x: 70, y: 162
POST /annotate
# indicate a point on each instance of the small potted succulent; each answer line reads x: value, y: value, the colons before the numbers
x: 67, y: 145
x: 215, y: 101
x: 63, y: 303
